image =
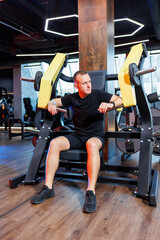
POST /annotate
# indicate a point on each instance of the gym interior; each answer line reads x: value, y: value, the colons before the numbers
x: 42, y: 44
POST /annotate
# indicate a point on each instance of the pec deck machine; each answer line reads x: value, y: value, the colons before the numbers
x: 143, y: 178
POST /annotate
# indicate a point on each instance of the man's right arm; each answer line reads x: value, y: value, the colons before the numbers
x: 53, y: 104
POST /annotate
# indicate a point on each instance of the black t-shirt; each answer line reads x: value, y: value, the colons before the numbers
x: 86, y: 118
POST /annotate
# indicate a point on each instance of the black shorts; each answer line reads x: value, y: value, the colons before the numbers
x: 79, y: 141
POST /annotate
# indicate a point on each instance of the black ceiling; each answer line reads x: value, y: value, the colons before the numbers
x: 22, y: 25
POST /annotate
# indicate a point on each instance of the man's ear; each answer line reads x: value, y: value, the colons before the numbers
x: 75, y: 85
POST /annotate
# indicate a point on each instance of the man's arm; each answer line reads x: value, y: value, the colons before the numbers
x: 115, y: 102
x: 53, y: 104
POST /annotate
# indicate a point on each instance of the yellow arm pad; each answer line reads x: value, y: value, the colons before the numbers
x: 49, y: 78
x: 127, y: 90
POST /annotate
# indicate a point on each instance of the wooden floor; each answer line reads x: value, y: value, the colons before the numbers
x: 119, y: 215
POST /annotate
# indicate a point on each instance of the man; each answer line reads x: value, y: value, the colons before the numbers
x: 88, y: 108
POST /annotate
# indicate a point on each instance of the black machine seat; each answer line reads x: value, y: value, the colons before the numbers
x: 98, y: 82
x: 77, y: 155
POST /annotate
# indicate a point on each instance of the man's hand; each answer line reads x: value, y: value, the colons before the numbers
x: 52, y: 108
x: 104, y: 107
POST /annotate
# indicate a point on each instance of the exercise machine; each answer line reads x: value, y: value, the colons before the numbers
x: 144, y: 179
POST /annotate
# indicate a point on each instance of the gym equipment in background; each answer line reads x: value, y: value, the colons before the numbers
x: 29, y: 113
x: 6, y: 107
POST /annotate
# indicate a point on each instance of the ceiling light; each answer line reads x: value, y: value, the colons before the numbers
x: 132, y: 21
x: 73, y: 61
x: 32, y: 65
x: 42, y: 54
x: 131, y: 43
x: 155, y: 52
x: 72, y: 53
x: 58, y: 18
x: 35, y: 54
x: 75, y: 34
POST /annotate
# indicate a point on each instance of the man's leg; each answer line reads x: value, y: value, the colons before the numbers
x: 93, y: 146
x: 56, y: 146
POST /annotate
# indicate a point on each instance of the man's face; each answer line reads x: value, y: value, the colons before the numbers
x: 83, y: 84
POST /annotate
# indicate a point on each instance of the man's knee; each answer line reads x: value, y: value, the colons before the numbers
x: 54, y: 144
x: 93, y: 144
x: 59, y: 144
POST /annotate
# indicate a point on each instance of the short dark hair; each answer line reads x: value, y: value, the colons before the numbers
x: 80, y: 72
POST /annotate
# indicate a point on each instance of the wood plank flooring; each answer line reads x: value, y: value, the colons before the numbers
x: 119, y: 215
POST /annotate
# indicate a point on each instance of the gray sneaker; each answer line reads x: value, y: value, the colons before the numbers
x: 90, y: 202
x: 43, y: 195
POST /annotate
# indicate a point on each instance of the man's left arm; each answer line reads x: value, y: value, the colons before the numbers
x: 114, y: 102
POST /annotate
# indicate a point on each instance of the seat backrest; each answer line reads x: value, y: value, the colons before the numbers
x: 98, y: 79
x: 99, y: 82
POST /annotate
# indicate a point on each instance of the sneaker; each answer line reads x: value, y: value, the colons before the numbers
x: 90, y: 202
x: 43, y: 195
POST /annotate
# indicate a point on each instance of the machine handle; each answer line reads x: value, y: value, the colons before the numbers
x: 27, y: 79
x: 145, y: 71
x: 61, y: 110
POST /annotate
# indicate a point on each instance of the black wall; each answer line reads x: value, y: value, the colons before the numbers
x: 6, y: 79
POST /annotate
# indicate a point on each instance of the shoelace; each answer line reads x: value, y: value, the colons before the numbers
x: 89, y: 197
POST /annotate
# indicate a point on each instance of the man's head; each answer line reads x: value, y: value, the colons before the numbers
x: 82, y: 82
